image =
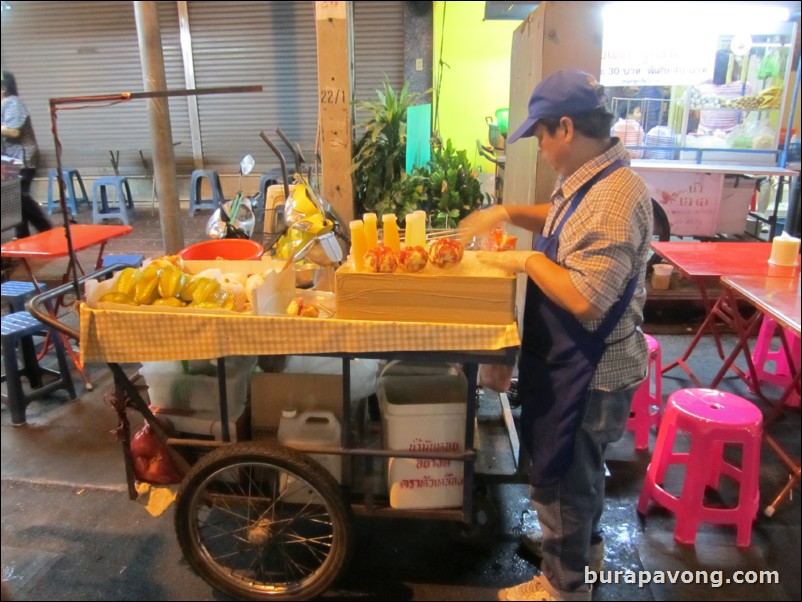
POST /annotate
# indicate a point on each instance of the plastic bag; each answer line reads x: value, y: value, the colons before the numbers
x: 152, y: 461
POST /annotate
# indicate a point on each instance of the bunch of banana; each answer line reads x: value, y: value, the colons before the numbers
x: 771, y: 98
x: 746, y: 103
x: 164, y: 283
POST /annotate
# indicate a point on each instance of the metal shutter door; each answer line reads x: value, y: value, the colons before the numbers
x: 254, y: 43
x: 378, y: 47
x: 64, y: 49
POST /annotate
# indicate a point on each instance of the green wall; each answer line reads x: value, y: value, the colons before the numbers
x: 476, y: 77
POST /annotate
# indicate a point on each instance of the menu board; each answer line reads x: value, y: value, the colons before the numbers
x: 691, y: 200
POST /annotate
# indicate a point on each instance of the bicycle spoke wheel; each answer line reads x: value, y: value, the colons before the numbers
x: 263, y: 522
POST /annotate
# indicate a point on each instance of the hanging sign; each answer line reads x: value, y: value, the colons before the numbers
x: 691, y: 200
x: 656, y: 56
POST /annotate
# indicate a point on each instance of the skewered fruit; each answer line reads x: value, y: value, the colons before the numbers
x: 445, y: 253
x: 381, y: 259
x: 413, y: 259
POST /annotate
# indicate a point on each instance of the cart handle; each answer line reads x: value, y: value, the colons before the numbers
x: 36, y: 304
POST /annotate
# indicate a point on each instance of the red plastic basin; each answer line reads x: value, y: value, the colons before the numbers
x: 224, y: 248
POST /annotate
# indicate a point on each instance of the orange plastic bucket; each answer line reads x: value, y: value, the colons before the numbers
x: 223, y: 248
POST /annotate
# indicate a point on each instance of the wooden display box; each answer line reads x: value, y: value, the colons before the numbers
x: 469, y: 293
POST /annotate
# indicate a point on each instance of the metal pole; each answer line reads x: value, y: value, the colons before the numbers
x: 150, y: 49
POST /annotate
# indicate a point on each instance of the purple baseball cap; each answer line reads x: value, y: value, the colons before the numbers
x: 567, y: 92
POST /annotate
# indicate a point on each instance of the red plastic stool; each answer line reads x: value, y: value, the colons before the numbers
x: 711, y: 419
x: 648, y: 401
x: 763, y: 354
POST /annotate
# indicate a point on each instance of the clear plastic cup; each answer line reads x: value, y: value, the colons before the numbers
x: 661, y: 276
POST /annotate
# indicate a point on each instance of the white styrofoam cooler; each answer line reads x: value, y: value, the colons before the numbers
x: 423, y: 412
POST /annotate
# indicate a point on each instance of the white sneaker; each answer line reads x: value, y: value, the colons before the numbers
x: 532, y: 541
x: 539, y: 588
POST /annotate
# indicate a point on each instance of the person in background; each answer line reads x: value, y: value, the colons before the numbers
x: 722, y: 121
x: 583, y: 354
x: 19, y: 142
x: 628, y: 127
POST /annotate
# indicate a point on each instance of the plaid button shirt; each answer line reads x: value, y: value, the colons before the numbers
x: 603, y: 244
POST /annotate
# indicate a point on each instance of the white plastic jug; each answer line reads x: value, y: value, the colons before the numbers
x: 310, y: 429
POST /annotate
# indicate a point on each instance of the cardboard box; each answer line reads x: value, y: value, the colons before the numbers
x: 273, y: 392
x: 468, y: 293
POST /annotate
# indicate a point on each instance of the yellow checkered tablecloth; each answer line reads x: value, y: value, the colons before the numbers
x: 138, y: 336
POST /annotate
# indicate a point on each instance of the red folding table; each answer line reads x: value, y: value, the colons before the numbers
x: 779, y: 299
x: 704, y: 264
x: 52, y: 244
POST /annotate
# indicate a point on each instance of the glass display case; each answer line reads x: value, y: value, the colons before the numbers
x: 720, y: 99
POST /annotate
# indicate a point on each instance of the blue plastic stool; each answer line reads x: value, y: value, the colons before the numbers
x: 17, y: 292
x: 196, y: 200
x: 123, y: 199
x: 129, y: 261
x: 18, y: 329
x: 69, y: 176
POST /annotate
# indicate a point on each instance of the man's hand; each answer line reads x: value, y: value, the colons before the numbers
x: 482, y: 222
x: 509, y: 261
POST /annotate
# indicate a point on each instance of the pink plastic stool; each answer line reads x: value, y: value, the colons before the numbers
x: 648, y: 401
x: 711, y: 419
x: 763, y: 354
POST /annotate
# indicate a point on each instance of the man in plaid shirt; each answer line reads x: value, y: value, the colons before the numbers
x: 583, y: 355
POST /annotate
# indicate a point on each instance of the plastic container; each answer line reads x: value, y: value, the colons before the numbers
x: 223, y: 248
x: 306, y: 430
x: 661, y: 276
x: 171, y: 387
x: 423, y: 412
x: 502, y: 119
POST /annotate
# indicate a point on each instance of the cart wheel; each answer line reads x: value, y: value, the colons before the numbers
x: 483, y: 525
x: 263, y: 522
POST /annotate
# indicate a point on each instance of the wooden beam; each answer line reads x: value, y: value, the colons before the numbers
x: 334, y: 25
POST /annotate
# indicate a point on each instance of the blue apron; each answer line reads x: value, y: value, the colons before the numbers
x: 558, y: 359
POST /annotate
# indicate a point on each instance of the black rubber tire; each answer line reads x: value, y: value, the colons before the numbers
x: 259, y: 521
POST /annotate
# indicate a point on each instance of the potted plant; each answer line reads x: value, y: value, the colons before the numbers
x: 452, y: 189
x: 446, y: 188
x: 380, y: 182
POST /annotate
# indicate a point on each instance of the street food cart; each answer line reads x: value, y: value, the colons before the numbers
x: 260, y: 520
